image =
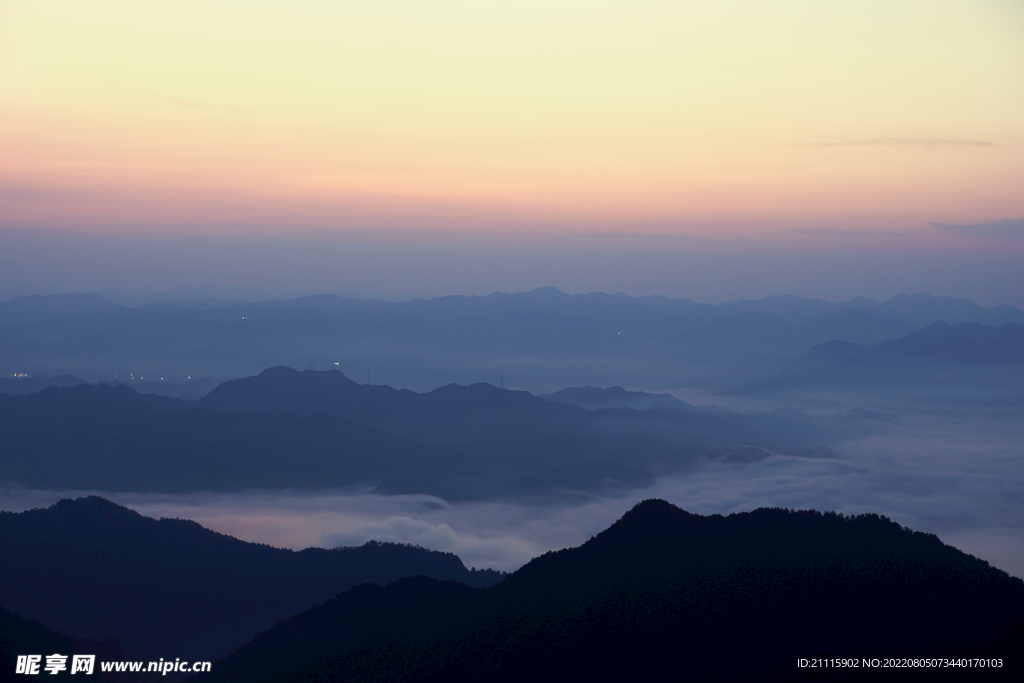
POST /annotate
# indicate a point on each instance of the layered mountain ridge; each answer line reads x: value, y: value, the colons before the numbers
x: 964, y: 358
x: 732, y: 598
x: 319, y: 429
x: 91, y: 568
x: 542, y: 340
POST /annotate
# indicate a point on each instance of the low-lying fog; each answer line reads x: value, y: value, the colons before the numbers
x: 961, y: 479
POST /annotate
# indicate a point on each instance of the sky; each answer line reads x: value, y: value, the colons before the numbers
x: 782, y: 133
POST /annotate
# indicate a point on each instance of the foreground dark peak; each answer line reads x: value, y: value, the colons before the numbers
x: 657, y: 521
x: 654, y: 518
x: 664, y: 594
x: 651, y: 518
x: 91, y: 568
x: 92, y: 506
x: 19, y: 636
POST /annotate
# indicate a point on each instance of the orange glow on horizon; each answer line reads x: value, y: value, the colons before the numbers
x: 732, y: 117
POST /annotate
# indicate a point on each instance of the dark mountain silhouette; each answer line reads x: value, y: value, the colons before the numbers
x: 282, y: 390
x: 171, y: 588
x: 593, y: 398
x: 189, y: 390
x: 19, y: 636
x: 967, y: 357
x: 917, y: 310
x: 923, y: 309
x: 542, y: 340
x: 856, y: 325
x: 203, y: 304
x: 19, y: 386
x: 315, y: 430
x: 519, y: 440
x: 965, y: 343
x: 115, y: 439
x: 665, y: 595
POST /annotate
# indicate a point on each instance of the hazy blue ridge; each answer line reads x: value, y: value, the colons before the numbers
x: 542, y: 340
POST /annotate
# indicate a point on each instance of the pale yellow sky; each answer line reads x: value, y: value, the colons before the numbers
x: 741, y: 116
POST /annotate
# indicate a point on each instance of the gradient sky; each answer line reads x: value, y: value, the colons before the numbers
x: 742, y: 117
x: 727, y: 148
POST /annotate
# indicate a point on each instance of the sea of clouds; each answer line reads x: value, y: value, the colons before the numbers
x: 961, y: 479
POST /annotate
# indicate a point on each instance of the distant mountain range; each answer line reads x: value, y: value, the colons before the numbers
x: 91, y: 568
x: 318, y: 429
x: 665, y: 595
x: 593, y: 398
x: 531, y: 444
x: 315, y: 430
x: 114, y: 439
x: 20, y: 386
x: 917, y: 310
x: 189, y: 390
x: 966, y: 358
x: 541, y: 340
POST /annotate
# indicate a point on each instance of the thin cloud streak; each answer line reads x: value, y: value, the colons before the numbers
x: 837, y: 232
x: 1011, y: 229
x: 904, y: 143
x: 39, y: 194
x: 181, y: 102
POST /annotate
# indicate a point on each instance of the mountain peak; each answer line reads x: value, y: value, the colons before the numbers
x: 547, y: 291
x: 657, y: 511
x: 279, y: 371
x: 649, y: 519
x: 89, y: 511
x: 281, y: 389
x: 285, y: 372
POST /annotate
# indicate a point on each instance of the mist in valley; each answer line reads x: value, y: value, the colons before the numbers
x: 482, y: 433
x: 957, y: 478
